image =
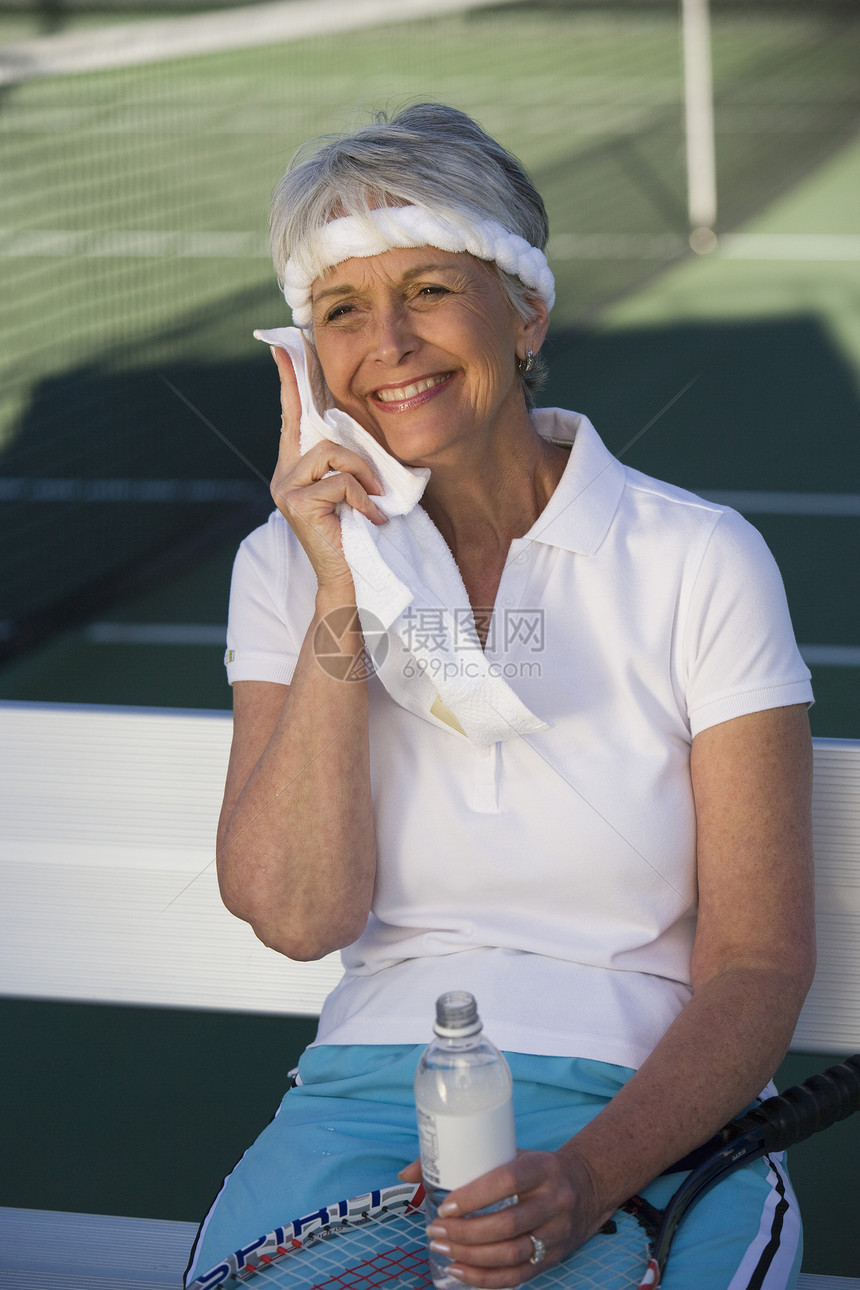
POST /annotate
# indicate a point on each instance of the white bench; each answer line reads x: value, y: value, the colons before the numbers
x: 109, y: 896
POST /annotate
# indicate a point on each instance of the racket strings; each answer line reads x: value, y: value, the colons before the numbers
x: 396, y: 1266
x: 402, y: 1265
x: 384, y: 1245
x: 388, y: 1251
x: 370, y: 1252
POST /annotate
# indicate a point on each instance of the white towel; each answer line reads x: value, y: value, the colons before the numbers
x: 413, y: 606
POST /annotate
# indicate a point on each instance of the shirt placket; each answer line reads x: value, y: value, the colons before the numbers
x: 501, y: 650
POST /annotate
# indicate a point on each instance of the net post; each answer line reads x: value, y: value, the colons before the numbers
x: 699, y: 123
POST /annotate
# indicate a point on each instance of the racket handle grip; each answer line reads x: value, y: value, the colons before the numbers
x: 793, y: 1116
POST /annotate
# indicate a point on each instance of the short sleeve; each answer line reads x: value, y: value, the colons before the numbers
x: 740, y: 655
x: 272, y: 595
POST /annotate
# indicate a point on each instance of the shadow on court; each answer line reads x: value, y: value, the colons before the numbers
x: 118, y: 476
x: 773, y: 407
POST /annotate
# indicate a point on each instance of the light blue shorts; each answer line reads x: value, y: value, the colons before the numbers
x: 349, y: 1127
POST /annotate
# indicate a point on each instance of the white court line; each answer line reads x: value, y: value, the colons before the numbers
x: 26, y: 489
x: 750, y: 502
x: 840, y: 247
x: 830, y: 655
x: 107, y: 633
x: 130, y: 44
x: 128, y: 243
x: 15, y: 488
x: 222, y: 244
x: 616, y: 246
x: 157, y: 634
x: 789, y: 246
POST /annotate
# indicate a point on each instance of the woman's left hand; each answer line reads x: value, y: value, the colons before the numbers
x: 556, y: 1205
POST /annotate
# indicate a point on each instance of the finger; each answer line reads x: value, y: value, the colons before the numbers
x: 291, y: 405
x: 326, y: 457
x: 412, y: 1172
x: 314, y: 502
x: 500, y: 1278
x: 499, y: 1254
x: 291, y: 419
x: 521, y: 1175
x: 544, y: 1204
x: 502, y: 1226
x: 504, y: 1264
x: 289, y: 448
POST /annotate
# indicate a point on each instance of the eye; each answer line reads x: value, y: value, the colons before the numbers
x: 338, y: 312
x: 431, y: 291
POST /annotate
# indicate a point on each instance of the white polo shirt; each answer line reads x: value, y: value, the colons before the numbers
x: 552, y: 875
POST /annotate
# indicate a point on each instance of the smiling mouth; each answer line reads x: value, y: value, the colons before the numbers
x: 401, y: 393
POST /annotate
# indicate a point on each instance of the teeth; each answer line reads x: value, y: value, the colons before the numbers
x: 409, y: 391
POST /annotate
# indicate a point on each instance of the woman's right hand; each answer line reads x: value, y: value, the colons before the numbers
x: 307, y: 493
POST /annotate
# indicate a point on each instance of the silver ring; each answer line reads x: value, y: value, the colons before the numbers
x: 539, y: 1251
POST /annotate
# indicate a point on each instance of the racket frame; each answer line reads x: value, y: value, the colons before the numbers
x: 779, y: 1122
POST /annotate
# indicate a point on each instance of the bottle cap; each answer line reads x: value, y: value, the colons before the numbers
x: 456, y: 1015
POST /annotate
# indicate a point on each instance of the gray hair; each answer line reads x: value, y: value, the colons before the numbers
x: 427, y: 155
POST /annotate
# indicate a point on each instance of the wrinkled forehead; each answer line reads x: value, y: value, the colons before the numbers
x: 397, y: 265
x: 362, y: 237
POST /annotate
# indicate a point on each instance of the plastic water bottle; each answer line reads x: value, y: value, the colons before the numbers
x: 463, y: 1097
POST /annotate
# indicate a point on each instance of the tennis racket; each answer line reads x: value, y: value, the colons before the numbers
x: 377, y: 1241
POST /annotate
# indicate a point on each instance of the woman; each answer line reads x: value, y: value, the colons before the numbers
x: 624, y: 883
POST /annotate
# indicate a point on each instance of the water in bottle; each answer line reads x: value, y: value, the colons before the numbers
x: 463, y: 1097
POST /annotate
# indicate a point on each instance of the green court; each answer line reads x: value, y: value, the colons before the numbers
x: 138, y: 420
x: 132, y: 234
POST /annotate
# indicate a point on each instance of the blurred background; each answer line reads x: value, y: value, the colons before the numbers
x: 139, y: 147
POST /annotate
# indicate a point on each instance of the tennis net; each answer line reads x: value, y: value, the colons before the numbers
x: 138, y: 418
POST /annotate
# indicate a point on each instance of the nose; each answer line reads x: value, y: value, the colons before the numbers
x: 394, y: 338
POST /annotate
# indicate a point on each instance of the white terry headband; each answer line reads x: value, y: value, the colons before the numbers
x: 395, y: 226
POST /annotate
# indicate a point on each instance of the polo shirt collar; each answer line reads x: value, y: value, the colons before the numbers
x: 580, y: 511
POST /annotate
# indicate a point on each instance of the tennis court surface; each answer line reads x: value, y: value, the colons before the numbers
x: 138, y: 417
